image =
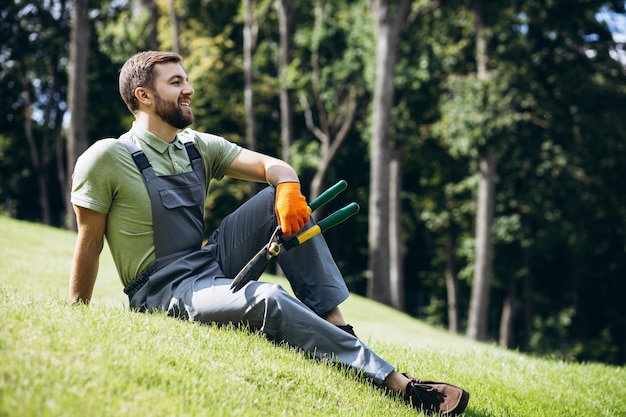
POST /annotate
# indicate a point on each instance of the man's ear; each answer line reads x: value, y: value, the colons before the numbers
x: 143, y: 96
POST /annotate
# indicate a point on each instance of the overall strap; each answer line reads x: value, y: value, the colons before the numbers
x: 196, y: 161
x: 139, y: 157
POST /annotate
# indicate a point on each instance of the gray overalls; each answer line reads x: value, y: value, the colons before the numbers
x: 192, y: 281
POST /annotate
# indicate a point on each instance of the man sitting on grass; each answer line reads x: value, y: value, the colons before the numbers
x: 146, y: 191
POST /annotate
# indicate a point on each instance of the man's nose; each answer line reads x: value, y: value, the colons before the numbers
x: 188, y: 89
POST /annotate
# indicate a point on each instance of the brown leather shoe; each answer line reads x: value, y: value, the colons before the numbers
x: 436, y: 397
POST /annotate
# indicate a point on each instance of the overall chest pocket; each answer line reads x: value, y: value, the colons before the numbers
x: 184, y: 196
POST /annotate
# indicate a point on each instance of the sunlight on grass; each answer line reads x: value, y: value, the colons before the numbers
x: 63, y: 360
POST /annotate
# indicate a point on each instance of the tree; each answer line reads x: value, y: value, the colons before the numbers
x: 396, y: 252
x: 335, y: 89
x: 477, y: 117
x: 569, y: 197
x: 175, y: 24
x: 33, y: 85
x: 77, y: 141
x: 286, y: 10
x: 250, y: 31
x: 388, y: 21
x: 483, y: 269
x: 151, y: 11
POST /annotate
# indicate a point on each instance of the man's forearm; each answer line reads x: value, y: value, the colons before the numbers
x: 89, y: 244
x: 84, y: 272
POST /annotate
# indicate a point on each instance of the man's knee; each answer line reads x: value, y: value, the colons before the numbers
x: 277, y: 301
x: 272, y: 292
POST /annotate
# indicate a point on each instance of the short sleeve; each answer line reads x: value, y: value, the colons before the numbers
x: 93, y: 177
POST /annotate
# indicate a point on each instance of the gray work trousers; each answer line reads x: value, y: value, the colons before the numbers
x: 197, y: 287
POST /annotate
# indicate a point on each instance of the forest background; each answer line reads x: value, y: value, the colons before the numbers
x: 485, y: 141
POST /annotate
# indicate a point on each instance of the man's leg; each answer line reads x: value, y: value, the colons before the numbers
x: 200, y: 295
x: 310, y: 268
x: 272, y: 310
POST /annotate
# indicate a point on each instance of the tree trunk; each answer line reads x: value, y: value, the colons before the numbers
x: 36, y: 158
x: 329, y: 143
x: 528, y: 298
x: 58, y: 137
x: 452, y: 280
x: 479, y: 302
x: 152, y: 8
x: 61, y: 174
x: 387, y: 29
x: 77, y: 141
x: 508, y: 314
x: 285, y: 20
x: 175, y: 24
x: 249, y: 45
x: 248, y: 52
x: 396, y: 250
x: 482, y: 55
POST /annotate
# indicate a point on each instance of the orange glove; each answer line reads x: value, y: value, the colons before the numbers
x: 291, y: 208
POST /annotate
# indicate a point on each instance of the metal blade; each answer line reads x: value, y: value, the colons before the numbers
x: 251, y: 271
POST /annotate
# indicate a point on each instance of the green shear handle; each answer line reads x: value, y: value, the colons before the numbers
x: 255, y: 267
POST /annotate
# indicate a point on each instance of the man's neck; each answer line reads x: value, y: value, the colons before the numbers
x: 160, y: 129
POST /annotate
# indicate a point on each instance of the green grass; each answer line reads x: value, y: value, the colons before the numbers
x: 103, y: 360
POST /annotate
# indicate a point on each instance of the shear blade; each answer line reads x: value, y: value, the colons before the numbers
x: 252, y: 271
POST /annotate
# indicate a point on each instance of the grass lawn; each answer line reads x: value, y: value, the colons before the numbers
x: 103, y: 360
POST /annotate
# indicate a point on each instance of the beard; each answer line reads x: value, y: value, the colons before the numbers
x: 172, y: 113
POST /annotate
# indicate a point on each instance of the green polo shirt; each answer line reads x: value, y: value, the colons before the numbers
x: 107, y: 180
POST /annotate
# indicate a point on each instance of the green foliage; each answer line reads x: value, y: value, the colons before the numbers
x: 213, y: 64
x: 33, y: 84
x: 479, y: 114
x: 306, y: 156
x: 330, y: 62
x: 121, y: 31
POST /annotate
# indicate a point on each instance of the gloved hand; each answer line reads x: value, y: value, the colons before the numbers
x: 291, y: 208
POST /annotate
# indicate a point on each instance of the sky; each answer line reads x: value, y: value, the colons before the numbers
x: 616, y: 23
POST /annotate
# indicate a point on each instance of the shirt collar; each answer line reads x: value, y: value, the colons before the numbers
x: 152, y: 140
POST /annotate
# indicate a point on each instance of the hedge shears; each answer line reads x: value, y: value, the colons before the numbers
x: 277, y: 244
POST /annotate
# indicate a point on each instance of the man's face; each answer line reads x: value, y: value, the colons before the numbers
x: 172, y: 95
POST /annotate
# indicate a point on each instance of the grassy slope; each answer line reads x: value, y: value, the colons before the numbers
x: 59, y: 360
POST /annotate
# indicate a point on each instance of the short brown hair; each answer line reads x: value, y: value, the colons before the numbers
x: 138, y: 71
